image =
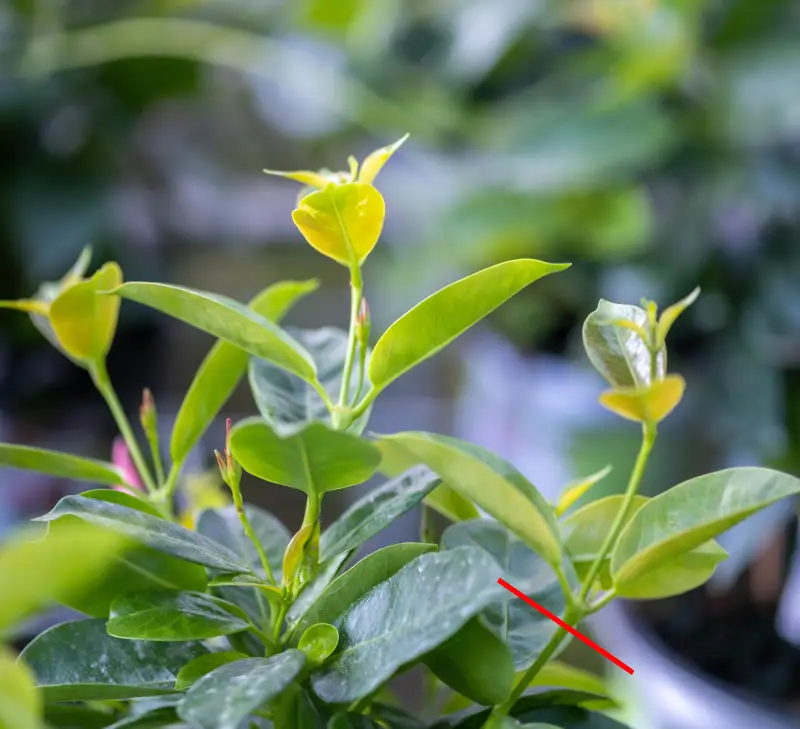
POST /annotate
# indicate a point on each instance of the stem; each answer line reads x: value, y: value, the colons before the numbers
x: 102, y: 382
x: 603, y: 601
x: 362, y: 371
x: 278, y: 622
x: 251, y: 535
x: 648, y: 438
x: 356, y: 290
x: 172, y: 480
x: 369, y: 398
x: 157, y: 462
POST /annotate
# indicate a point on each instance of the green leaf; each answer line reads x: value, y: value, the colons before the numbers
x: 20, y: 702
x: 563, y: 675
x: 63, y: 566
x: 525, y: 631
x: 404, y: 618
x: 372, y: 513
x: 351, y: 586
x: 58, y: 464
x: 76, y: 716
x: 79, y: 661
x: 314, y: 459
x: 691, y: 513
x: 492, y: 483
x: 225, y: 319
x: 318, y: 641
x: 286, y: 401
x: 475, y: 663
x: 223, y: 698
x: 296, y: 710
x: 311, y: 592
x: 173, y: 616
x: 200, y: 666
x: 573, y: 491
x: 223, y: 368
x: 435, y: 322
x: 619, y: 353
x: 352, y: 721
x: 161, y: 718
x: 159, y: 534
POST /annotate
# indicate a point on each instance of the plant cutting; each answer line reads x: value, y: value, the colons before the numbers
x: 242, y: 621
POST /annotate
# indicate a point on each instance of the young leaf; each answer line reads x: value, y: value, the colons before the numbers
x: 318, y: 641
x: 223, y: 368
x: 436, y: 321
x: 671, y: 314
x: 375, y: 161
x: 200, y: 666
x: 574, y: 491
x: 306, y: 177
x: 286, y: 401
x: 58, y: 464
x: 159, y: 534
x: 525, y: 631
x: 563, y: 675
x: 493, y: 484
x: 404, y: 618
x: 173, y: 616
x: 314, y: 459
x: 372, y: 513
x: 327, y: 574
x: 351, y: 586
x: 618, y: 353
x: 20, y: 702
x: 223, y: 698
x: 650, y: 404
x: 474, y: 663
x: 225, y: 319
x: 691, y: 513
x: 342, y: 222
x: 84, y: 321
x: 79, y: 661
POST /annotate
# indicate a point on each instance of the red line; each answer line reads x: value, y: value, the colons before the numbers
x: 561, y: 623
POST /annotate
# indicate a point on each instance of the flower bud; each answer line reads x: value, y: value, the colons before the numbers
x: 121, y: 458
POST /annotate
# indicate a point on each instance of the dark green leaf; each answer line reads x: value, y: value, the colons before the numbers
x: 225, y: 319
x: 173, y: 616
x: 405, y: 617
x: 285, y: 400
x: 223, y: 698
x: 223, y: 368
x: 79, y: 661
x: 58, y: 464
x: 76, y: 716
x: 357, y: 582
x: 151, y: 531
x: 352, y: 721
x: 296, y: 710
x: 372, y: 513
x: 200, y: 666
x: 162, y: 718
x: 314, y: 459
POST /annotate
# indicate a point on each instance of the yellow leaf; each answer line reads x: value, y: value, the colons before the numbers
x: 84, y: 321
x: 652, y: 404
x: 671, y: 313
x: 376, y: 160
x: 573, y: 491
x: 307, y: 177
x: 31, y: 306
x: 342, y: 222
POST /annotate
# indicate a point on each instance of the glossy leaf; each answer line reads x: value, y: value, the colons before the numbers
x: 79, y: 661
x: 295, y: 709
x: 20, y: 703
x: 492, y: 483
x: 574, y: 491
x: 314, y: 459
x: 327, y: 573
x: 85, y: 321
x: 351, y: 586
x: 691, y: 513
x: 342, y: 222
x: 223, y: 698
x: 618, y: 353
x: 475, y: 663
x: 405, y: 617
x: 671, y: 314
x: 372, y: 513
x: 375, y: 161
x: 523, y: 630
x: 436, y: 321
x: 285, y: 401
x: 173, y: 616
x: 35, y: 572
x: 225, y: 319
x: 651, y: 404
x: 62, y: 465
x: 159, y: 534
x: 318, y: 641
x: 223, y: 368
x: 195, y: 669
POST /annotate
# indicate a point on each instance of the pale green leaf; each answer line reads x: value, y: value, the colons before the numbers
x: 62, y: 465
x: 573, y: 491
x: 200, y: 666
x: 318, y: 641
x: 21, y: 705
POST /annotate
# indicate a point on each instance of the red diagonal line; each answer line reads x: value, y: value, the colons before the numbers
x: 558, y: 621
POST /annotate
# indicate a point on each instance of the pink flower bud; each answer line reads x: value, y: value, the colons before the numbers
x: 121, y: 458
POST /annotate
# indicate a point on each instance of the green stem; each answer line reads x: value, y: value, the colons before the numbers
x: 356, y: 291
x: 278, y: 622
x: 102, y: 382
x: 603, y: 601
x: 362, y: 371
x: 369, y: 398
x: 648, y: 438
x: 251, y: 535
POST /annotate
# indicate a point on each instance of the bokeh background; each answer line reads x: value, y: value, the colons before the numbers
x: 655, y: 144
